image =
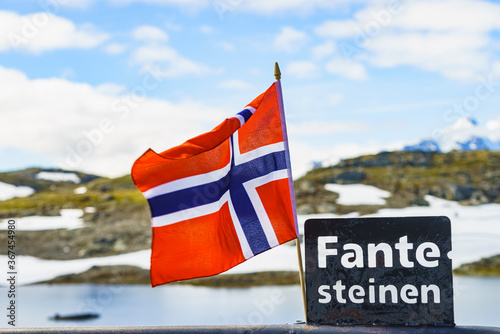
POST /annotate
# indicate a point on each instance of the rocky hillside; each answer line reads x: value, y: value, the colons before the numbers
x: 489, y: 266
x: 118, y: 222
x: 470, y: 178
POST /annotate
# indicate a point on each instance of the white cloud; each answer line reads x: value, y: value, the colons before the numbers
x: 290, y: 39
x: 236, y: 84
x: 170, y: 62
x: 445, y: 37
x: 319, y: 128
x: 495, y: 70
x: 352, y: 150
x: 348, y: 69
x: 185, y: 4
x: 154, y: 53
x: 171, y: 26
x: 493, y: 125
x: 67, y: 73
x: 456, y: 56
x: 149, y: 34
x: 338, y: 29
x: 43, y: 31
x: 390, y: 108
x: 302, y: 69
x: 226, y: 46
x: 427, y: 35
x: 55, y: 6
x: 115, y: 48
x: 82, y: 127
x: 298, y: 7
x: 448, y: 15
x: 69, y: 4
x: 310, y: 100
x: 303, y: 155
x: 207, y: 30
x: 324, y: 50
x: 111, y: 89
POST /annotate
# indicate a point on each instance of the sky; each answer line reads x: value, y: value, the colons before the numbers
x: 89, y: 85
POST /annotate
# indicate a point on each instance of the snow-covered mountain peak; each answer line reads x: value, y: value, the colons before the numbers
x: 464, y: 123
x: 465, y: 134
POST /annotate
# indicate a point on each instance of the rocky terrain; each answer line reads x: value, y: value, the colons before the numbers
x: 120, y: 223
x: 120, y: 220
x: 485, y: 267
x: 119, y: 275
x: 470, y: 178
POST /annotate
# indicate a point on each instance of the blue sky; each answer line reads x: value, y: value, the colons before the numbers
x: 90, y: 85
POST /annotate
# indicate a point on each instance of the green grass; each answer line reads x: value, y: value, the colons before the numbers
x: 102, y: 193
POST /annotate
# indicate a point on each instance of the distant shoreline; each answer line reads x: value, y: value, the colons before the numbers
x: 131, y: 275
x: 489, y: 266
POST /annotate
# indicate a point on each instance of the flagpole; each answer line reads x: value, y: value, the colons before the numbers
x: 277, y: 75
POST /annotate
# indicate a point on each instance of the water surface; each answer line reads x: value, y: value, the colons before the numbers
x: 477, y: 302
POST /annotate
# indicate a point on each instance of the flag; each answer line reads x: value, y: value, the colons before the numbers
x: 221, y: 197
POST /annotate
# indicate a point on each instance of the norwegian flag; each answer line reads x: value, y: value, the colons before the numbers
x: 222, y: 197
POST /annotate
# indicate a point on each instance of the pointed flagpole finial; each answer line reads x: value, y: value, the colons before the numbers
x: 277, y: 72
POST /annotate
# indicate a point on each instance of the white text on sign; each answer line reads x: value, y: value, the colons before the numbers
x: 353, y: 256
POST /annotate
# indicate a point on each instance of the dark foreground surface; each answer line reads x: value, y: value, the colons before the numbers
x: 271, y: 329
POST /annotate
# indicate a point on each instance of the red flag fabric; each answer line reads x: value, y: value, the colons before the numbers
x: 221, y: 197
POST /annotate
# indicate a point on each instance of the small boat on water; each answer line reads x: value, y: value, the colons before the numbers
x: 74, y: 317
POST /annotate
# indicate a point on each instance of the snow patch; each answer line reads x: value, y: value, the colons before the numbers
x: 89, y: 209
x: 69, y: 219
x: 358, y: 194
x: 38, y: 270
x: 58, y: 177
x: 8, y: 191
x: 80, y: 190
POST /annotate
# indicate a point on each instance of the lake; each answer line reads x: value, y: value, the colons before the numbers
x: 477, y: 302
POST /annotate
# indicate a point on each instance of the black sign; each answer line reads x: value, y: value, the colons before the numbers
x: 379, y: 271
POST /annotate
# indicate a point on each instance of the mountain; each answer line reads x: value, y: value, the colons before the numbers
x: 468, y: 177
x: 466, y: 134
x: 115, y: 213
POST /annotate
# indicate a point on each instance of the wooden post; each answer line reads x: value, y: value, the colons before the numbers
x: 277, y: 75
x: 302, y: 281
